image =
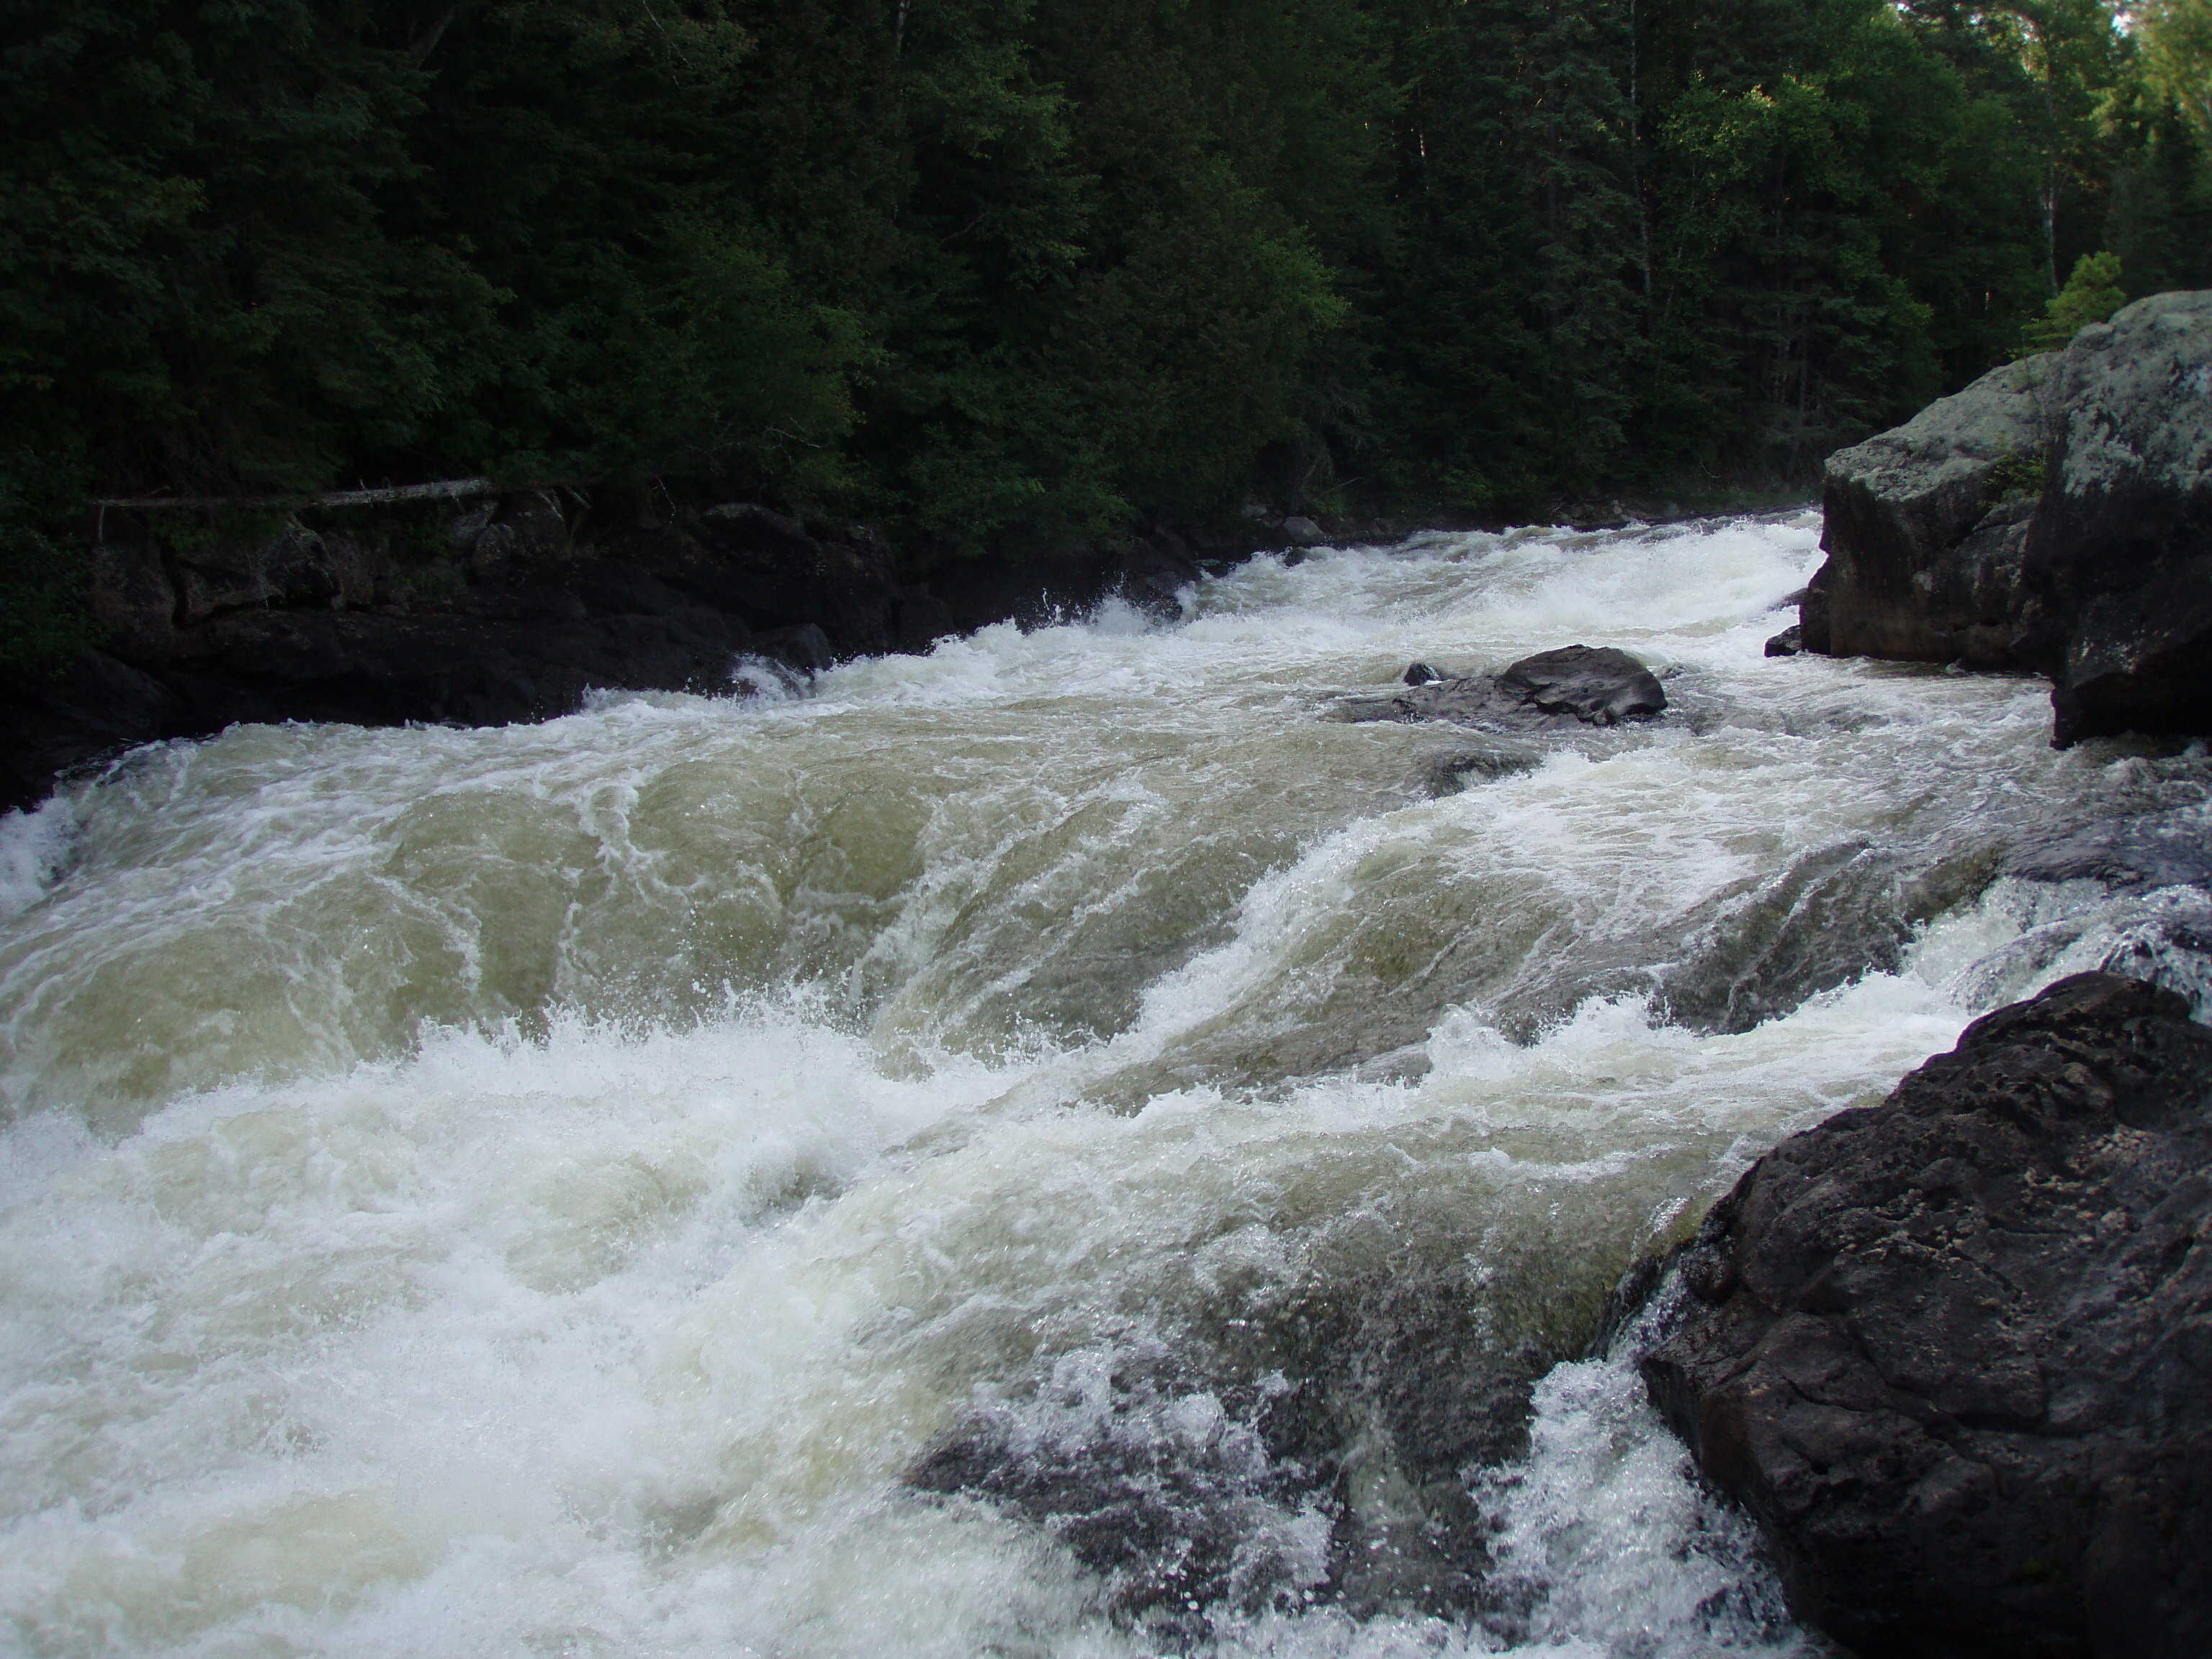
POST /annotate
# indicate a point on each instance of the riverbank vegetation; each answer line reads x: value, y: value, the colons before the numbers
x: 1009, y: 272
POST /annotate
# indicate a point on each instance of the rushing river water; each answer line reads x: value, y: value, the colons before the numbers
x: 1047, y: 1147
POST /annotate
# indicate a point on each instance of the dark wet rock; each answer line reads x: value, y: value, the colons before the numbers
x: 1954, y: 1352
x: 134, y: 602
x: 491, y: 609
x: 1595, y: 685
x: 2120, y: 551
x: 1598, y: 685
x: 921, y: 620
x: 1305, y: 531
x: 804, y: 647
x: 1419, y: 673
x: 1448, y: 775
x: 2147, y: 850
x: 1788, y: 643
x: 1594, y: 515
x: 1317, y: 1455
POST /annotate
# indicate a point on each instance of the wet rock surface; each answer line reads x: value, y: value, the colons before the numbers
x: 1320, y: 1454
x: 1954, y: 1352
x: 1593, y: 685
x: 1834, y: 914
x: 508, y: 608
x: 2139, y: 852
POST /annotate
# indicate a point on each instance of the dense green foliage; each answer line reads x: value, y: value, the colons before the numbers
x: 2091, y: 294
x: 998, y: 272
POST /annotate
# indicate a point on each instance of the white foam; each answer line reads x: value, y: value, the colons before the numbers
x: 34, y: 845
x: 537, y: 1190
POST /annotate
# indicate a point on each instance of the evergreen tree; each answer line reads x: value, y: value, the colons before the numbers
x: 1001, y: 273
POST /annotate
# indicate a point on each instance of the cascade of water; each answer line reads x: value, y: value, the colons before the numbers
x: 1045, y: 1147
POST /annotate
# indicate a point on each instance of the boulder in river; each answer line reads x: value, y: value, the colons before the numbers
x: 2120, y: 547
x: 2054, y: 516
x: 1954, y: 1352
x: 1925, y: 528
x: 1596, y: 685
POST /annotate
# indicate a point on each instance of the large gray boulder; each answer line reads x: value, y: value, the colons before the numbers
x: 2056, y: 515
x: 2119, y: 553
x: 1953, y: 1352
x: 1926, y: 525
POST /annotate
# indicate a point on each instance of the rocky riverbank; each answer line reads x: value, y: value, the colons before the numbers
x: 493, y: 607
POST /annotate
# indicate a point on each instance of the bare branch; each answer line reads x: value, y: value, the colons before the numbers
x: 447, y: 490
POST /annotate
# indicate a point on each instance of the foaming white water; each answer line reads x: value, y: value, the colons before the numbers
x: 548, y: 1189
x: 33, y: 847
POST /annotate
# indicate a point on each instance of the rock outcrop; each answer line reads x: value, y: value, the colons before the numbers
x: 500, y: 608
x: 1926, y: 528
x: 2119, y: 552
x: 1595, y: 685
x: 2055, y: 516
x: 1954, y: 1352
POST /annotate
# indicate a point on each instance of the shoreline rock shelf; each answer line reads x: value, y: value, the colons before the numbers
x: 1953, y: 1353
x: 484, y: 608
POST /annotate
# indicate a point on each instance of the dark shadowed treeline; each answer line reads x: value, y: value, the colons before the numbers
x: 1011, y: 272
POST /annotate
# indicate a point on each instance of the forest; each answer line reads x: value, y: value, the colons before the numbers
x: 1003, y: 273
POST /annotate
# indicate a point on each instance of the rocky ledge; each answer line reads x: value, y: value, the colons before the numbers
x: 1954, y: 1352
x: 478, y: 605
x: 2056, y: 516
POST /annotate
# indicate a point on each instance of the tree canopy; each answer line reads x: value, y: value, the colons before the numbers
x: 998, y: 273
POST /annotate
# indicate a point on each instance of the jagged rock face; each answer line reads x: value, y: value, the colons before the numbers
x: 1954, y: 1352
x: 2121, y: 546
x: 1926, y: 528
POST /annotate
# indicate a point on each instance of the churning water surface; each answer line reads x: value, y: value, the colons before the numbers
x: 1045, y: 1148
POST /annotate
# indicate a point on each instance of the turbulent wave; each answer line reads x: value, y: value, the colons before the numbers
x: 1045, y: 1147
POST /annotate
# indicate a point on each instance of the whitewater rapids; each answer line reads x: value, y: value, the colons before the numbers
x: 548, y: 1189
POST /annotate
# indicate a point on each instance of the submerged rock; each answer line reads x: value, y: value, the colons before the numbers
x: 1954, y: 1352
x: 2140, y: 853
x: 1320, y: 1455
x: 1448, y: 775
x: 1595, y: 685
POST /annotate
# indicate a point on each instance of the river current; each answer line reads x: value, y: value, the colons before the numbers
x: 1047, y: 1147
